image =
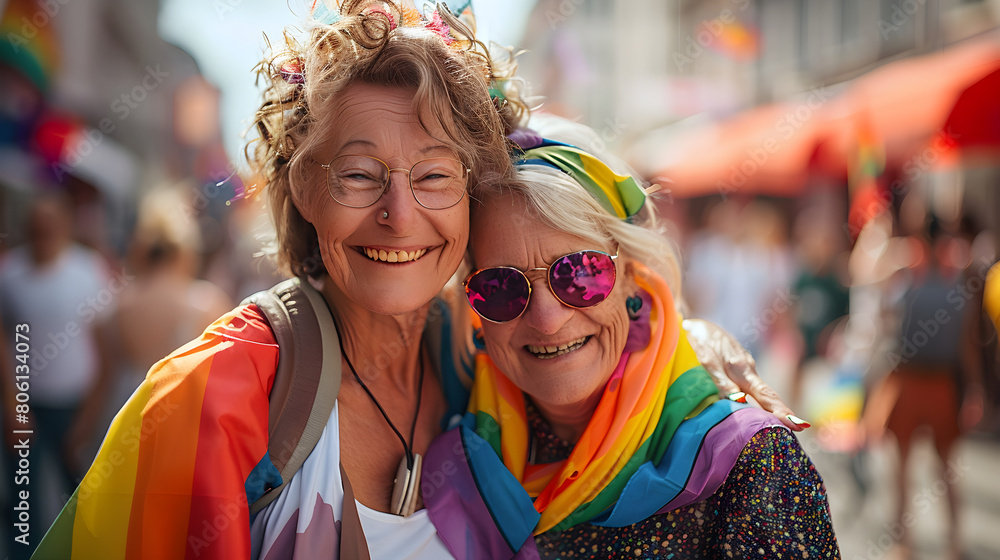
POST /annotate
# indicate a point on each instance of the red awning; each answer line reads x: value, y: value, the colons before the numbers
x: 905, y: 105
x: 974, y: 121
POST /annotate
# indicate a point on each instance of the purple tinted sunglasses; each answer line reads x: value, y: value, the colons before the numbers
x: 579, y: 280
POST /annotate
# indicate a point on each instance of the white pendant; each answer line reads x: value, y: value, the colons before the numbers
x: 405, y: 490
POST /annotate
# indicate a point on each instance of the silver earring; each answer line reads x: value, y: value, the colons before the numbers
x: 385, y: 214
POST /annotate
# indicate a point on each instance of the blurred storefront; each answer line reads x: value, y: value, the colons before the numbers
x: 782, y: 97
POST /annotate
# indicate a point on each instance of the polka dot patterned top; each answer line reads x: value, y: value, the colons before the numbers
x: 773, y: 505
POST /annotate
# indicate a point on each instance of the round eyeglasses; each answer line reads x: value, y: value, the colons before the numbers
x: 579, y: 280
x: 358, y: 181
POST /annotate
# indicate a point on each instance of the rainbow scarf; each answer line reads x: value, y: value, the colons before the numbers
x: 171, y: 478
x: 660, y: 438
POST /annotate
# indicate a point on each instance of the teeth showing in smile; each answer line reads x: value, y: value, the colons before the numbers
x: 393, y: 256
x: 549, y: 352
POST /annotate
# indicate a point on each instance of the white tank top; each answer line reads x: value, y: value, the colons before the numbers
x: 303, y: 522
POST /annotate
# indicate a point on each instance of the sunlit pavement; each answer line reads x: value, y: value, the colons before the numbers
x: 866, y: 524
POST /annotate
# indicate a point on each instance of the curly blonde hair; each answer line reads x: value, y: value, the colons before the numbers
x: 451, y: 78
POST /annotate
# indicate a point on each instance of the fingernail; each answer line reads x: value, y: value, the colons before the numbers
x: 738, y: 396
x: 798, y: 421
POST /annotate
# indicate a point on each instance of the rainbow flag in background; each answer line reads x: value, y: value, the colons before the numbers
x: 28, y: 41
x: 864, y: 175
x: 732, y: 39
x: 869, y: 158
x: 170, y: 479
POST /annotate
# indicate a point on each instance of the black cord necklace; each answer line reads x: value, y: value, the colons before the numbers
x: 404, y: 493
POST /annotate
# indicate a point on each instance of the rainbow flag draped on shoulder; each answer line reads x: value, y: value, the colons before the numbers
x: 660, y: 438
x: 171, y: 478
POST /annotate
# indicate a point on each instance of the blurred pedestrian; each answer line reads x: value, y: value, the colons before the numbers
x: 162, y: 260
x: 240, y: 268
x: 53, y: 290
x: 748, y: 238
x: 819, y: 291
x: 936, y: 352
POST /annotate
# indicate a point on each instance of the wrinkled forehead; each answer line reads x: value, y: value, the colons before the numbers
x: 506, y: 223
x: 502, y: 210
x: 548, y: 219
x: 361, y: 108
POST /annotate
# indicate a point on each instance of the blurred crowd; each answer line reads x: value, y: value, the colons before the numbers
x: 878, y: 338
x: 124, y: 232
x: 790, y: 281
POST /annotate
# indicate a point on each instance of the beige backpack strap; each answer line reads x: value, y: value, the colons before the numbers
x: 308, y: 377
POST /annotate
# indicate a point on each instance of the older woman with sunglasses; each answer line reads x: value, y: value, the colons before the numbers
x: 593, y: 431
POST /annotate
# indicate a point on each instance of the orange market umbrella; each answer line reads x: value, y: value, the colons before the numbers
x: 765, y: 150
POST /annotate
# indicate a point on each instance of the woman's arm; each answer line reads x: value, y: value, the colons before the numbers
x: 774, y: 501
x: 734, y: 370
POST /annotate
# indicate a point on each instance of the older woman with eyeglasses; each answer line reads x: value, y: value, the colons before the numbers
x: 373, y: 132
x: 593, y: 431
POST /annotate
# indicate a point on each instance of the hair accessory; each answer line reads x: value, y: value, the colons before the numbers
x: 291, y: 71
x: 620, y: 195
x: 385, y: 214
x: 498, y: 97
x: 437, y: 25
x: 495, y: 90
x: 322, y: 13
x: 388, y: 15
x: 328, y: 12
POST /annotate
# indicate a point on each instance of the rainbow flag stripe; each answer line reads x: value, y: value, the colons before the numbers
x: 170, y: 479
x: 28, y: 41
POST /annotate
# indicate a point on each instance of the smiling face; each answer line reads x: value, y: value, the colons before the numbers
x: 587, y: 343
x: 387, y: 265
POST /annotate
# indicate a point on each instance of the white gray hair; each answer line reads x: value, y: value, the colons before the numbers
x: 560, y: 202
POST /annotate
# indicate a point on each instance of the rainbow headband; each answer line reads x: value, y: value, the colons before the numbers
x: 620, y: 195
